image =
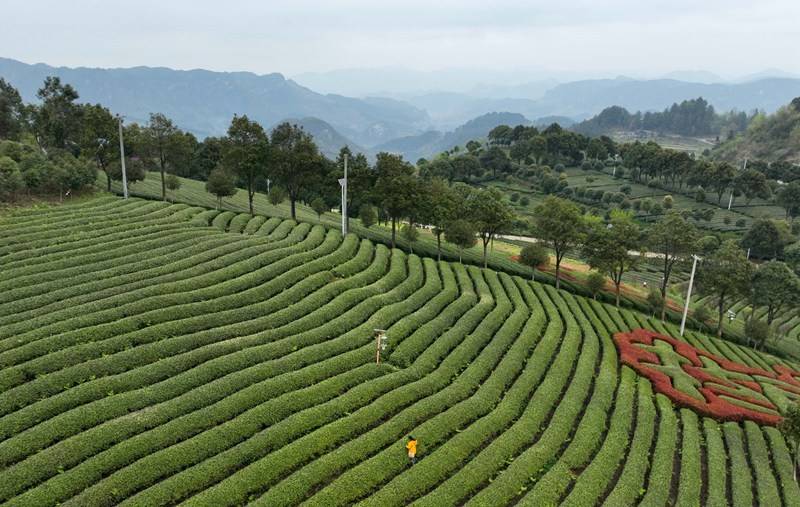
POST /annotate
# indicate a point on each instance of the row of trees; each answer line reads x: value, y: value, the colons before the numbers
x: 517, y: 149
x: 694, y: 117
x: 614, y: 247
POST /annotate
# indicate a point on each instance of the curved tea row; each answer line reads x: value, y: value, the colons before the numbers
x: 155, y: 354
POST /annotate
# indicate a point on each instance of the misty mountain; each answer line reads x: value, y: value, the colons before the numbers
x: 582, y: 99
x: 449, y: 110
x: 432, y: 143
x: 327, y: 138
x: 203, y: 102
x: 694, y: 76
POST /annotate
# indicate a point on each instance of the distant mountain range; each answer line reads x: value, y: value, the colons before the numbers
x: 416, y: 125
x: 434, y: 142
x: 203, y: 102
x: 582, y: 99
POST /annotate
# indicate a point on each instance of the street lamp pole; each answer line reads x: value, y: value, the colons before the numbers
x: 122, y: 159
x: 688, y: 295
x: 343, y: 184
x: 344, y: 198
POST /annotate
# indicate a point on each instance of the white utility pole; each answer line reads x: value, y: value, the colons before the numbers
x: 343, y: 183
x: 688, y: 295
x: 122, y: 159
x: 730, y: 201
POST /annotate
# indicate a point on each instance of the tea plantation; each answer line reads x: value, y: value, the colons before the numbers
x: 157, y: 354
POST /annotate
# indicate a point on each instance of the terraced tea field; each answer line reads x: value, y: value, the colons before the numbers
x: 156, y: 354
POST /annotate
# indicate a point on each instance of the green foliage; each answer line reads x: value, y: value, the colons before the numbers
x: 595, y: 282
x: 490, y: 214
x: 774, y: 286
x: 534, y: 255
x: 411, y: 234
x: 367, y: 215
x: 608, y: 247
x: 559, y: 224
x: 396, y: 189
x: 187, y: 364
x: 245, y: 153
x: 319, y: 206
x: 277, y: 195
x: 790, y: 428
x: 173, y: 182
x: 462, y: 234
x: 725, y: 274
x: 675, y: 239
x: 767, y: 238
x: 702, y: 315
x: 221, y: 184
x: 757, y: 331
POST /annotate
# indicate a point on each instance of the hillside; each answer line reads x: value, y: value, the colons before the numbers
x: 152, y: 354
x: 433, y: 142
x: 770, y: 138
x: 586, y: 98
x: 327, y: 138
x: 203, y: 102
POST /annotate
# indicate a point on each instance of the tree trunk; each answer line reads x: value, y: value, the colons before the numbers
x: 721, y: 310
x: 250, y: 195
x: 163, y: 183
x: 108, y: 180
x: 485, y: 244
x: 617, y: 285
x: 439, y: 246
x: 394, y: 222
x: 292, y: 202
x: 558, y: 272
x: 533, y: 274
x: 663, y: 306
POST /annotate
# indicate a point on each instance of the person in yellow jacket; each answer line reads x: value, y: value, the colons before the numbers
x: 411, y: 446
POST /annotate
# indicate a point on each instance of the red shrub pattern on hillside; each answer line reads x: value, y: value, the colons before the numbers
x: 722, y: 389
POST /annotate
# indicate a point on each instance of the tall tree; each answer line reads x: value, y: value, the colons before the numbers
x: 767, y: 238
x: 490, y: 214
x: 534, y: 255
x: 57, y: 121
x: 461, y: 233
x: 722, y: 178
x: 438, y: 207
x: 11, y: 111
x: 163, y: 142
x: 751, y: 184
x: 674, y: 238
x: 559, y: 224
x: 221, y: 183
x: 725, y: 274
x: 396, y: 189
x: 245, y: 152
x: 297, y: 162
x: 788, y: 198
x: 100, y: 138
x: 774, y: 286
x: 609, y: 248
x: 495, y: 159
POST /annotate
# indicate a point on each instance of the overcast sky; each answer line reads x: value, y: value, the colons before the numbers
x: 638, y: 37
